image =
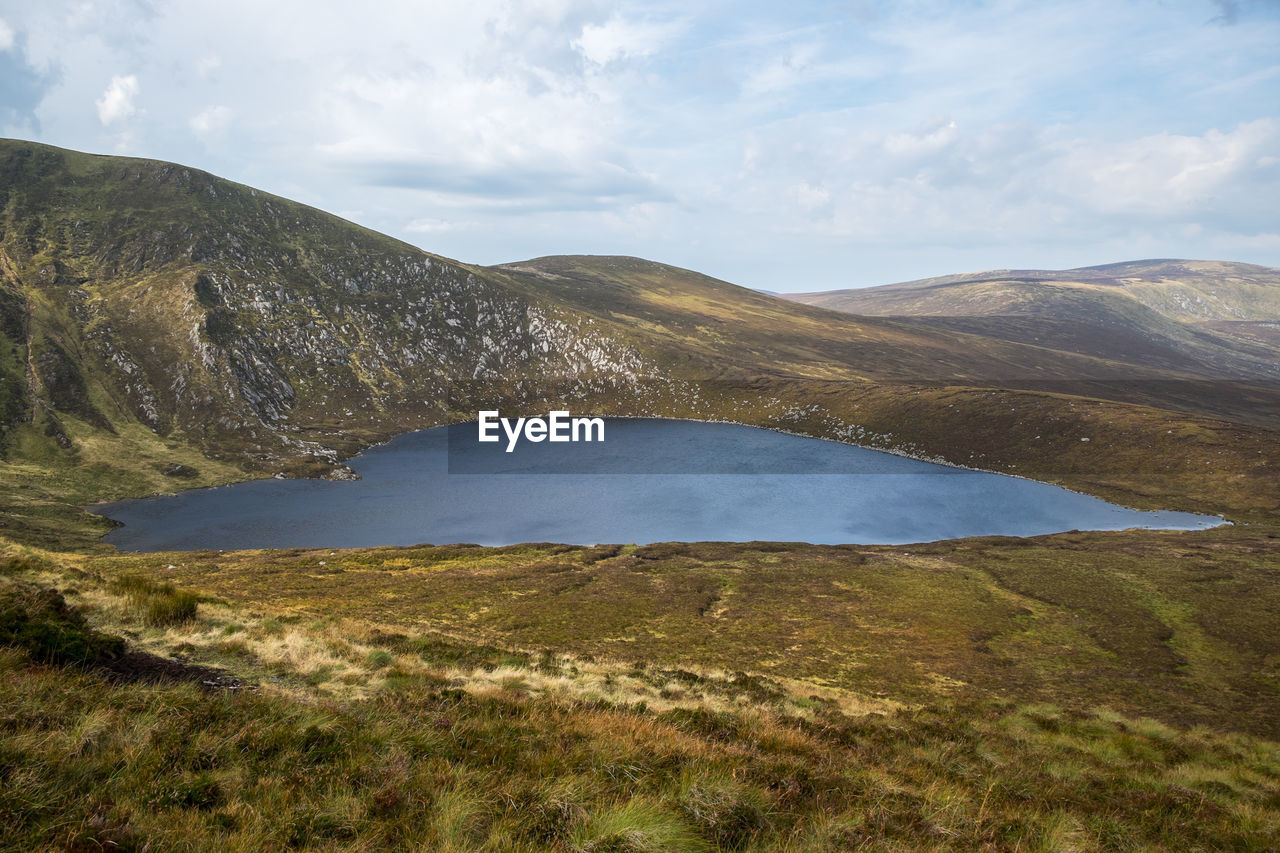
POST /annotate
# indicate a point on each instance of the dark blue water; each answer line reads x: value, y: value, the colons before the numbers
x: 657, y: 480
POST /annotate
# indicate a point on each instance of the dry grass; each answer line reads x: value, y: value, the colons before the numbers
x: 1178, y: 626
x: 367, y: 735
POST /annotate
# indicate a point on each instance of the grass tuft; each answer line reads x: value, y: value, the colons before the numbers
x: 160, y: 605
x: 727, y: 814
x: 637, y: 826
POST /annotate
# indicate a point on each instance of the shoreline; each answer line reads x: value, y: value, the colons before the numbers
x: 1207, y: 521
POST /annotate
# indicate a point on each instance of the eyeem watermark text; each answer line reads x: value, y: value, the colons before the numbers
x: 557, y: 426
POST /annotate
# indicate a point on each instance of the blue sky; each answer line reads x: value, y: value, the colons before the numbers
x: 799, y: 146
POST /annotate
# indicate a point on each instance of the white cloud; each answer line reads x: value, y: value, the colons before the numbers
x: 619, y: 39
x: 1012, y: 185
x: 207, y: 64
x: 116, y: 102
x: 431, y: 226
x: 487, y: 137
x: 126, y: 143
x: 6, y: 35
x: 210, y: 121
x: 810, y: 197
x: 925, y: 143
x: 1166, y: 175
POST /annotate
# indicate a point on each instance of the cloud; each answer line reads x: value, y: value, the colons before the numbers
x: 498, y: 139
x: 116, y: 102
x: 618, y: 39
x: 946, y: 184
x: 1229, y: 10
x: 1169, y: 176
x: 563, y: 187
x: 210, y: 121
x: 21, y: 87
x: 925, y: 143
x: 431, y: 226
x: 207, y: 64
x: 793, y: 67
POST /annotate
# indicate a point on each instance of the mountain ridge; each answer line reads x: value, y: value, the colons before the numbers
x: 1136, y: 279
x: 1213, y: 318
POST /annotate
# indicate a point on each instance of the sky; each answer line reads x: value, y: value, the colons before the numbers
x: 797, y: 146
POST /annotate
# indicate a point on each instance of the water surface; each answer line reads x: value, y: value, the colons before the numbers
x: 652, y: 480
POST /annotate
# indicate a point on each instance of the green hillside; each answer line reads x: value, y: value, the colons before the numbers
x: 725, y: 324
x: 1077, y: 692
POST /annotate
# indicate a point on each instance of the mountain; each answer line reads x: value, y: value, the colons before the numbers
x: 161, y: 327
x: 1177, y: 289
x: 1210, y: 317
x: 248, y: 325
x: 1214, y: 320
x: 1122, y: 351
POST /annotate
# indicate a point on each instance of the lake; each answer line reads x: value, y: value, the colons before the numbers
x: 651, y: 480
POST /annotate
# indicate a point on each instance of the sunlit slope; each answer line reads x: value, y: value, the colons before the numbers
x: 1108, y: 347
x: 1214, y: 321
x: 1177, y: 289
x: 1211, y: 318
x: 715, y: 324
x: 1075, y: 692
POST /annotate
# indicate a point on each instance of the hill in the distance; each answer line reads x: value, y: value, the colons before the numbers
x: 1178, y: 289
x: 1173, y: 312
x: 1214, y: 319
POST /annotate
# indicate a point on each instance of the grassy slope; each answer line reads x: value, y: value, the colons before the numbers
x: 1179, y: 290
x: 1178, y: 626
x: 718, y: 326
x: 1207, y: 319
x: 680, y: 730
